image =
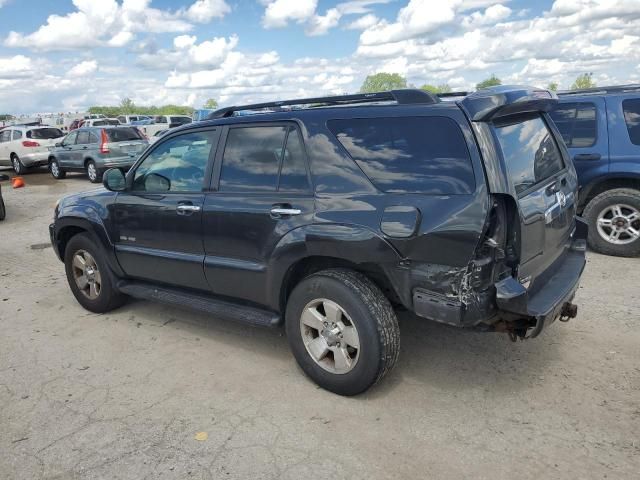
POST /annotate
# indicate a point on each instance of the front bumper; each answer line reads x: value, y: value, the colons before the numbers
x: 558, y: 287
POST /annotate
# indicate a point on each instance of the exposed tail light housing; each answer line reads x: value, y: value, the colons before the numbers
x: 30, y: 143
x: 103, y: 142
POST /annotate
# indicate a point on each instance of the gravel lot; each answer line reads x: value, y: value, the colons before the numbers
x: 124, y: 395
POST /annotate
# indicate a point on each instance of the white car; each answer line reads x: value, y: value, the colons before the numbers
x: 100, y: 122
x: 23, y: 147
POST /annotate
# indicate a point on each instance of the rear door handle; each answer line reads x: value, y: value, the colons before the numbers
x: 187, y: 209
x: 281, y: 211
x: 587, y: 156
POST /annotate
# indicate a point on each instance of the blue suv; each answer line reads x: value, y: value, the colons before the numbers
x: 601, y: 128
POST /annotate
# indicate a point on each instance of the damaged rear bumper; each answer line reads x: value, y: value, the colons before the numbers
x: 551, y: 295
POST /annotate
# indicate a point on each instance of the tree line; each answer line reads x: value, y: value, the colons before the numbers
x: 384, y: 81
x: 128, y: 107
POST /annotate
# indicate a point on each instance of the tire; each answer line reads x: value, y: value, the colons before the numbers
x: 17, y: 165
x: 107, y: 297
x: 3, y: 210
x: 602, y: 210
x: 56, y: 171
x: 363, y: 307
x: 95, y: 175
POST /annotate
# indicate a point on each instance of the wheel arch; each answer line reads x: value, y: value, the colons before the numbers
x: 595, y: 188
x: 307, y: 250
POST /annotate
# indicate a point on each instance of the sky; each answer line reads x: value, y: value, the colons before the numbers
x: 66, y: 55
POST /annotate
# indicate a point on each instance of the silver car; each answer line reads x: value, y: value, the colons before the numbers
x: 24, y: 146
x: 96, y: 149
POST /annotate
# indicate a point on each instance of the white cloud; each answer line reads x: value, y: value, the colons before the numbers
x: 278, y: 13
x: 15, y: 67
x: 363, y: 22
x: 83, y: 69
x: 320, y: 24
x: 110, y: 23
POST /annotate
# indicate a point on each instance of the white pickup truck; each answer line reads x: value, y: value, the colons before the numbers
x: 163, y: 122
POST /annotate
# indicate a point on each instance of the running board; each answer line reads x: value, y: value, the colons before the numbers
x: 203, y: 303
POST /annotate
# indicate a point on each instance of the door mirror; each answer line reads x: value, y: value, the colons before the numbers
x: 156, y: 183
x: 114, y: 180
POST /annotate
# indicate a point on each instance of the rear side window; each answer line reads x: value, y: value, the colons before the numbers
x: 410, y: 154
x: 83, y: 138
x: 577, y: 123
x: 123, y: 134
x: 631, y: 109
x: 263, y: 159
x: 529, y: 151
x: 17, y: 134
x: 45, y: 133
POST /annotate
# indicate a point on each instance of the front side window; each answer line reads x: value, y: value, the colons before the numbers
x: 176, y: 165
x: 426, y: 155
x: 631, y: 109
x: 253, y: 160
x: 70, y: 139
x: 529, y: 150
x: 577, y: 123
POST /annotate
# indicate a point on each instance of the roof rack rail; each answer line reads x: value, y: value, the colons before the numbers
x: 601, y: 90
x: 403, y: 97
x: 452, y: 94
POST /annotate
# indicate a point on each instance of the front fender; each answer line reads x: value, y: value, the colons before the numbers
x: 87, y: 218
x: 354, y: 244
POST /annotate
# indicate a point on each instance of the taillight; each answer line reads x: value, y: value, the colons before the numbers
x: 103, y: 142
x: 30, y: 143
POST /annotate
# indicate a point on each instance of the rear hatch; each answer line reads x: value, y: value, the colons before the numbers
x: 42, y: 139
x: 125, y: 141
x: 527, y: 162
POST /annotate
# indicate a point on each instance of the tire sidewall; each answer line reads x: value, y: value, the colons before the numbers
x: 367, y: 369
x: 595, y: 207
x: 60, y: 172
x: 17, y: 166
x: 98, y: 175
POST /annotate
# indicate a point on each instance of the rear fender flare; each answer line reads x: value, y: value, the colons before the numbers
x: 354, y: 244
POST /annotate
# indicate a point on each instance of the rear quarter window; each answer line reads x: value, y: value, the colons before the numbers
x: 529, y: 150
x: 45, y: 133
x: 631, y: 109
x: 426, y: 155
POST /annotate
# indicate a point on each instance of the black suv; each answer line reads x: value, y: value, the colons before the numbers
x: 327, y: 214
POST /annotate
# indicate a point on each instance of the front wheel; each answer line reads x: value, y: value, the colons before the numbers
x: 89, y: 277
x: 56, y: 171
x: 95, y: 176
x: 614, y: 222
x: 342, y: 330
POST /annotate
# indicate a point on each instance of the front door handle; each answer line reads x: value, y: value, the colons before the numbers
x: 281, y: 211
x: 587, y: 156
x: 187, y: 209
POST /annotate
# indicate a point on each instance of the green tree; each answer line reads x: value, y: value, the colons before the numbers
x: 492, y: 81
x: 210, y: 103
x: 553, y: 86
x: 127, y: 106
x: 442, y: 88
x: 383, y: 81
x: 584, y: 81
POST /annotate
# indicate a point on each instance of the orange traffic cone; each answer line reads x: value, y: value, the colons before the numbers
x: 17, y: 182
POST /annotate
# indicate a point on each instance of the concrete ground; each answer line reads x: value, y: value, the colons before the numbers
x: 133, y: 394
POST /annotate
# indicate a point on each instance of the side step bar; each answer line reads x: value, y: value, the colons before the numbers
x: 204, y: 303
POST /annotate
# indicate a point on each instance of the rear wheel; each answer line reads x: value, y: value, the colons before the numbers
x: 95, y: 176
x: 342, y: 331
x: 56, y: 171
x: 89, y: 277
x: 17, y: 165
x: 614, y: 222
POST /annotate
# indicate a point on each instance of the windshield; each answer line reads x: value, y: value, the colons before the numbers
x: 123, y: 134
x: 45, y: 133
x: 180, y: 120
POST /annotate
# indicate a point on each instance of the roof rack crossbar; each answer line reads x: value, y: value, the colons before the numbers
x: 404, y: 97
x: 600, y: 90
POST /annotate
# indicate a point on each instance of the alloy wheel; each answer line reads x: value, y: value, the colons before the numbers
x: 329, y: 335
x: 619, y: 224
x: 86, y: 274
